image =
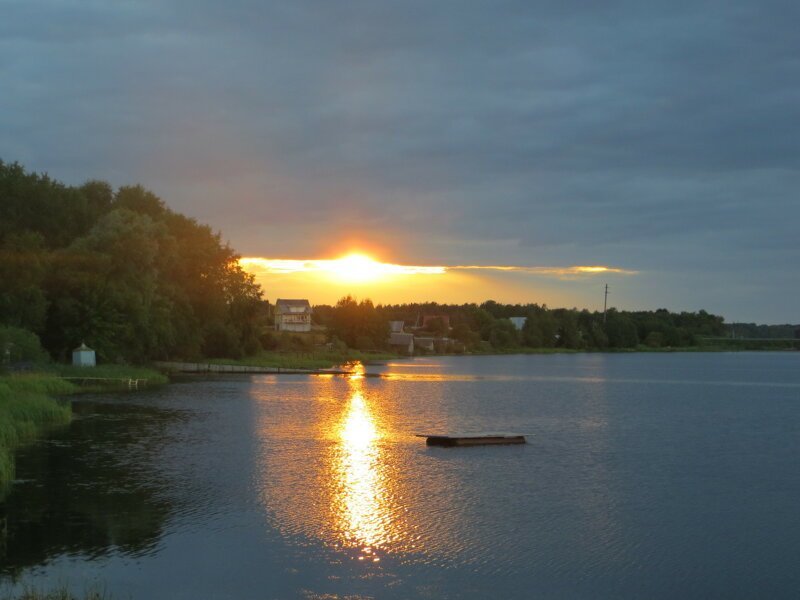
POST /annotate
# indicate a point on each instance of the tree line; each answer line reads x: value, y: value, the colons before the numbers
x: 488, y: 326
x: 120, y: 271
x: 763, y: 332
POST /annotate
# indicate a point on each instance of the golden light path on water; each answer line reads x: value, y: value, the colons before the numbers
x: 361, y: 499
x: 329, y: 464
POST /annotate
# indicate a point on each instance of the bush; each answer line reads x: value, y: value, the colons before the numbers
x: 654, y: 339
x: 364, y: 342
x: 269, y: 340
x: 20, y: 345
x: 221, y: 342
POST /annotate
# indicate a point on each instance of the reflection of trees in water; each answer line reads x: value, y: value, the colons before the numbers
x: 90, y: 488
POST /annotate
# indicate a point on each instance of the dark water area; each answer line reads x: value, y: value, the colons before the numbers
x: 645, y: 476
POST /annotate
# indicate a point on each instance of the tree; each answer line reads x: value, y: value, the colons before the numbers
x: 503, y: 334
x: 23, y: 265
x: 107, y: 292
x: 532, y: 332
x: 621, y: 330
x: 436, y: 326
x: 462, y: 333
x: 358, y: 324
x: 569, y: 336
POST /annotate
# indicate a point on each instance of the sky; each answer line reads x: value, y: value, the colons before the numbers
x: 659, y: 139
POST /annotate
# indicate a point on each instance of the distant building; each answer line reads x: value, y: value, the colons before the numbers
x: 83, y: 356
x: 519, y: 322
x: 292, y: 315
x: 402, y: 342
x: 424, y: 343
x: 396, y: 326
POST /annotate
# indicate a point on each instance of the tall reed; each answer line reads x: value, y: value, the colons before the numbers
x: 26, y: 409
x: 60, y: 593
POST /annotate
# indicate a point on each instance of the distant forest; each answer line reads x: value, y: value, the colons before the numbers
x: 762, y: 332
x: 120, y: 271
x: 488, y: 327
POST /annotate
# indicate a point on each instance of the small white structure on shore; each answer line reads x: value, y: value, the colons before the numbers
x: 519, y: 322
x: 83, y: 356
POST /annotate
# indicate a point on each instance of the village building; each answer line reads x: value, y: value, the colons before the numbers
x: 402, y: 343
x: 424, y: 343
x: 396, y: 326
x: 292, y: 315
x: 519, y: 322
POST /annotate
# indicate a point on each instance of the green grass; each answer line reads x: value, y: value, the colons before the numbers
x: 744, y: 344
x: 319, y: 359
x: 26, y: 409
x: 152, y: 376
x: 60, y: 593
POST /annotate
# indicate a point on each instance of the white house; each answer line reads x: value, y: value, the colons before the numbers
x: 292, y: 315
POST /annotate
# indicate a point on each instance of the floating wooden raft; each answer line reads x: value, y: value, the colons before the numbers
x: 479, y: 439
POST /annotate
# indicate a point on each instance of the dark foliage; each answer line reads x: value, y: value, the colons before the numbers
x: 119, y: 271
x: 488, y: 327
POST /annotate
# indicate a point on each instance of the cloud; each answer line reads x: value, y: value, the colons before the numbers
x: 355, y: 264
x: 548, y: 133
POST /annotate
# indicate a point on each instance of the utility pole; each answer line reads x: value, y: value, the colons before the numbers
x: 605, y: 305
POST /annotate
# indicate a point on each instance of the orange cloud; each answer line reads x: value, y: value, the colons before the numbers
x: 554, y: 271
x: 359, y: 267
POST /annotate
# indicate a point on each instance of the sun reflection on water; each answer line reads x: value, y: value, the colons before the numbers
x: 361, y: 507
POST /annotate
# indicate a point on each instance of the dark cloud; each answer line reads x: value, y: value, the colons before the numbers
x: 654, y: 136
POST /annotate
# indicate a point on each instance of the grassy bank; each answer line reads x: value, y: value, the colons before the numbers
x: 321, y: 359
x: 27, y: 409
x: 60, y: 593
x: 745, y: 344
x: 121, y: 373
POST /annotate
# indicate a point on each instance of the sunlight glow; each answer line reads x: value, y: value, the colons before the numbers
x: 353, y: 268
x: 360, y: 268
x: 362, y: 510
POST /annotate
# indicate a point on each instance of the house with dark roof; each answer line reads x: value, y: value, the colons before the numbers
x: 403, y: 343
x: 292, y: 315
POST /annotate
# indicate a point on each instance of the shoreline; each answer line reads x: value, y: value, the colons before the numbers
x: 29, y: 407
x: 33, y: 402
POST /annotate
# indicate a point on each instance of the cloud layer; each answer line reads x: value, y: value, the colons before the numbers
x: 659, y: 136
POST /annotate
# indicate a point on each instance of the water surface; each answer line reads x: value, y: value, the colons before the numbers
x: 645, y: 475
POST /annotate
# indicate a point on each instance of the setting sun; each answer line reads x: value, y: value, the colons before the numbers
x: 352, y: 268
x: 356, y: 268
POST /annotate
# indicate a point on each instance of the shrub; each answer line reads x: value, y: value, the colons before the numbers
x: 20, y: 345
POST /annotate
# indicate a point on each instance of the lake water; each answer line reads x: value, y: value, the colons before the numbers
x: 645, y: 476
